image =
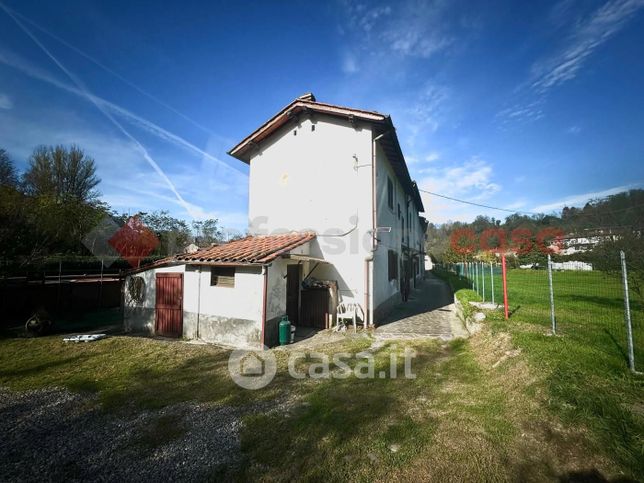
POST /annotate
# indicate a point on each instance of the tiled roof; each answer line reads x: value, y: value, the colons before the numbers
x: 250, y: 250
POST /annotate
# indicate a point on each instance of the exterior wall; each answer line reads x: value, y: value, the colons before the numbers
x: 224, y: 315
x: 276, y: 292
x: 386, y: 293
x: 140, y: 316
x: 309, y: 181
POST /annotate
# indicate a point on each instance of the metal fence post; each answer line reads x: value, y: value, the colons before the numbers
x: 552, y: 297
x: 472, y: 275
x: 492, y: 281
x: 627, y: 312
x: 504, y: 272
x: 476, y: 276
x: 483, y: 280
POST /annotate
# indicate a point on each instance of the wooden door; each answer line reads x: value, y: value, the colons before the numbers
x: 315, y: 308
x: 293, y: 293
x: 169, y: 304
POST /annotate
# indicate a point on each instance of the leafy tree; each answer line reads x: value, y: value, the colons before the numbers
x: 62, y: 173
x: 606, y: 257
x: 207, y: 232
x: 8, y: 176
x: 173, y: 234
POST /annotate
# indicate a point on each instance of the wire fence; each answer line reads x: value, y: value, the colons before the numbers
x: 597, y: 307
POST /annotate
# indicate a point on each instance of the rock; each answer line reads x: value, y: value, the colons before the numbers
x: 479, y: 317
x: 394, y: 448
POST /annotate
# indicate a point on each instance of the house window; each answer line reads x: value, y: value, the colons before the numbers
x: 222, y: 276
x: 392, y: 264
x: 390, y: 194
x: 399, y: 211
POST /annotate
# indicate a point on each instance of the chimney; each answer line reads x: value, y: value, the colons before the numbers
x: 307, y: 97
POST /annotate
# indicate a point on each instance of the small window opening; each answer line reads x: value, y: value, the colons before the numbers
x: 222, y: 276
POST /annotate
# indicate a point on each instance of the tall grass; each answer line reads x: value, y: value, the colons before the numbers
x: 584, y: 367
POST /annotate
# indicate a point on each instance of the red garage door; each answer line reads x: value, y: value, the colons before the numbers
x: 169, y: 304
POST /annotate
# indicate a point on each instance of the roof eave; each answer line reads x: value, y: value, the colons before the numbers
x: 242, y: 150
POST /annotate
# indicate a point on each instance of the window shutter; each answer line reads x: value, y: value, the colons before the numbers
x: 222, y: 276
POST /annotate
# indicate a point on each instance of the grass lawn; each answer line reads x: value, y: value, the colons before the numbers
x: 472, y: 413
x: 583, y: 370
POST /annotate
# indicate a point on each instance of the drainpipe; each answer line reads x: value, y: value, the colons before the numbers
x: 199, y: 302
x: 374, y: 240
x: 265, y: 276
x: 374, y: 205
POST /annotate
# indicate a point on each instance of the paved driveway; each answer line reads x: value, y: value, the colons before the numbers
x: 429, y: 312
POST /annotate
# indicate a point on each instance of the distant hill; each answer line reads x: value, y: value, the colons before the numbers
x: 617, y: 214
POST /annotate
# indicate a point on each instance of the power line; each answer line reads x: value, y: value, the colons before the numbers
x: 531, y: 212
x: 478, y: 204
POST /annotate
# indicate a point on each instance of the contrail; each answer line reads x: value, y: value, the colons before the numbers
x: 112, y: 72
x: 17, y: 63
x: 98, y: 105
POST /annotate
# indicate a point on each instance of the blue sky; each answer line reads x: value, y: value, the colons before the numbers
x: 524, y: 105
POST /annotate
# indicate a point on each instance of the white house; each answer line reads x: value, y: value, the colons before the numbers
x: 333, y: 216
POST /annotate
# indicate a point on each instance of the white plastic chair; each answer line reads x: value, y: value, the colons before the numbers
x: 349, y: 311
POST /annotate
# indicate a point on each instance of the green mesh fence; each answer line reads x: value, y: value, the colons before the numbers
x: 589, y: 305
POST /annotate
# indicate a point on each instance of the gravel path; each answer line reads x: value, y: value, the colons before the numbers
x: 55, y: 435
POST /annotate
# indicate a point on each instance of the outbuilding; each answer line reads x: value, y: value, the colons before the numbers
x: 232, y: 294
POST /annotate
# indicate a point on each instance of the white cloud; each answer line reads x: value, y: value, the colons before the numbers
x: 419, y: 114
x: 582, y: 199
x: 585, y: 37
x: 517, y: 205
x: 431, y: 157
x: 524, y: 111
x: 573, y: 129
x: 408, y: 28
x: 472, y: 180
x: 5, y: 102
x: 349, y: 64
x: 365, y: 18
x: 418, y: 29
x: 423, y: 164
